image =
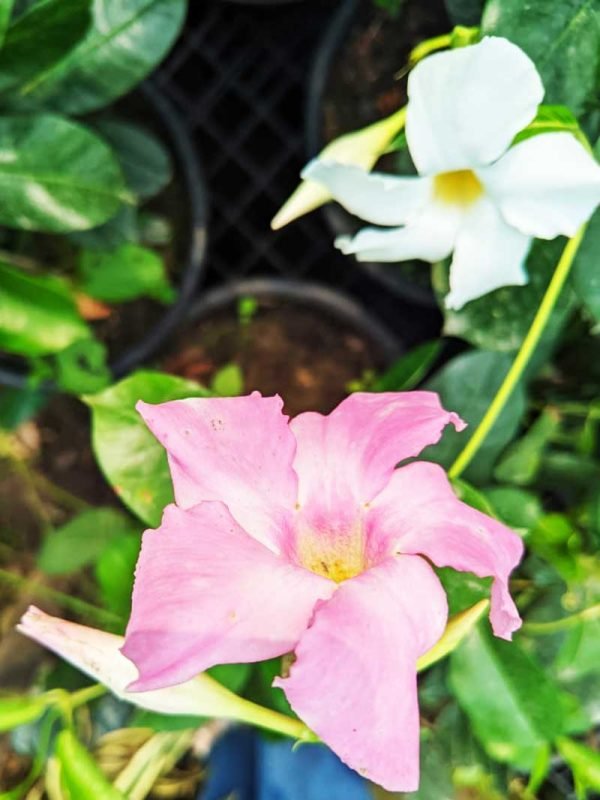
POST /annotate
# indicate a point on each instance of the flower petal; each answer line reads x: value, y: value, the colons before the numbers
x: 97, y: 653
x: 206, y: 593
x: 430, y: 237
x: 348, y: 456
x: 354, y: 679
x: 238, y: 450
x: 545, y: 186
x: 376, y: 197
x: 488, y: 254
x: 419, y: 513
x: 466, y: 105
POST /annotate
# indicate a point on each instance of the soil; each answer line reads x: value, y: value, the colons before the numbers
x: 300, y: 352
x: 366, y: 82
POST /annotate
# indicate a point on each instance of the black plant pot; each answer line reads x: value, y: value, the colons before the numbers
x: 390, y: 276
x: 301, y: 328
x: 190, y: 247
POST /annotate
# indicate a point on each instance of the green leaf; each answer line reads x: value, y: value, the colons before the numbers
x: 228, y: 381
x: 127, y: 41
x: 18, y: 405
x: 37, y: 314
x: 6, y: 9
x: 121, y: 228
x: 16, y: 711
x: 585, y: 764
x: 551, y: 119
x: 500, y: 319
x: 82, y: 540
x: 409, y: 370
x: 562, y: 38
x: 82, y: 367
x: 512, y: 703
x: 586, y: 269
x: 467, y: 385
x: 129, y: 272
x: 472, y: 496
x: 464, y: 12
x: 463, y: 589
x: 56, y: 175
x: 522, y: 460
x: 80, y: 775
x: 555, y: 539
x: 134, y: 463
x: 145, y: 163
x: 40, y: 37
x: 233, y: 676
x: 579, y: 653
x: 517, y: 508
x: 115, y: 570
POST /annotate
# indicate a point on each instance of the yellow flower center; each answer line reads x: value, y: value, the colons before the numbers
x: 461, y: 187
x: 337, y: 555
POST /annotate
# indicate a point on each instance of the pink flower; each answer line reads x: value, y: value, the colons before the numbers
x: 303, y: 536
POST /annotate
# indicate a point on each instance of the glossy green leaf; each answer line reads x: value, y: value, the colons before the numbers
x: 39, y: 38
x: 551, y: 119
x: 122, y: 228
x: 409, y: 370
x: 134, y: 463
x: 228, y: 381
x: 500, y: 320
x: 523, y: 458
x: 6, y: 10
x: 233, y: 676
x: 586, y: 269
x: 18, y: 405
x: 56, y: 175
x: 563, y: 39
x: 145, y: 163
x: 585, y: 764
x: 517, y: 508
x: 472, y: 496
x: 579, y: 654
x: 15, y: 711
x: 115, y: 570
x: 79, y: 774
x: 464, y: 12
x: 463, y: 589
x: 512, y: 703
x: 127, y: 40
x: 38, y: 315
x: 82, y: 540
x: 467, y: 385
x: 123, y: 274
x: 556, y: 540
x: 82, y: 367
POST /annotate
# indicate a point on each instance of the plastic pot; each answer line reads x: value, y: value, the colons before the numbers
x: 190, y: 248
x: 339, y: 220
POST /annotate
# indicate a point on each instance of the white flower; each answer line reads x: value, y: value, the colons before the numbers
x: 473, y: 196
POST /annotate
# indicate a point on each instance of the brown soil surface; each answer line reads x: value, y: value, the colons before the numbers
x: 291, y: 349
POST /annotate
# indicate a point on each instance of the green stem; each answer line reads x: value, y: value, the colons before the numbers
x: 247, y: 711
x: 83, y: 696
x: 85, y: 609
x: 515, y: 373
x: 543, y: 628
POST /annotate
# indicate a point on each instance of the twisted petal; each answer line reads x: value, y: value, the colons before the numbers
x: 418, y: 512
x: 354, y: 680
x: 206, y: 593
x: 545, y: 186
x: 97, y: 653
x: 466, y: 105
x: 238, y: 450
x: 377, y: 198
x: 430, y: 236
x: 488, y: 254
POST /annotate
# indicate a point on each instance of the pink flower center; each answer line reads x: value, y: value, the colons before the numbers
x: 335, y: 552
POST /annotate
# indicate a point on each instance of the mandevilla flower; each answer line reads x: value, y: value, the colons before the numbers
x: 475, y: 195
x: 304, y: 537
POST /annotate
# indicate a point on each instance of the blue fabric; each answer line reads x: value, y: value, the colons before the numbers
x: 256, y: 768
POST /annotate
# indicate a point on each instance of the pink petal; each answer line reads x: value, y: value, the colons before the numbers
x: 354, y: 681
x: 238, y: 450
x: 206, y: 593
x: 418, y: 512
x: 349, y: 455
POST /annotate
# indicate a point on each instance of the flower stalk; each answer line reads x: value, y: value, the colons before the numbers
x: 528, y: 347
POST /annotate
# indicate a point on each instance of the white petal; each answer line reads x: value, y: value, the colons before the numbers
x: 488, y: 254
x: 546, y: 185
x: 375, y: 197
x: 429, y: 237
x: 466, y: 105
x: 98, y: 654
